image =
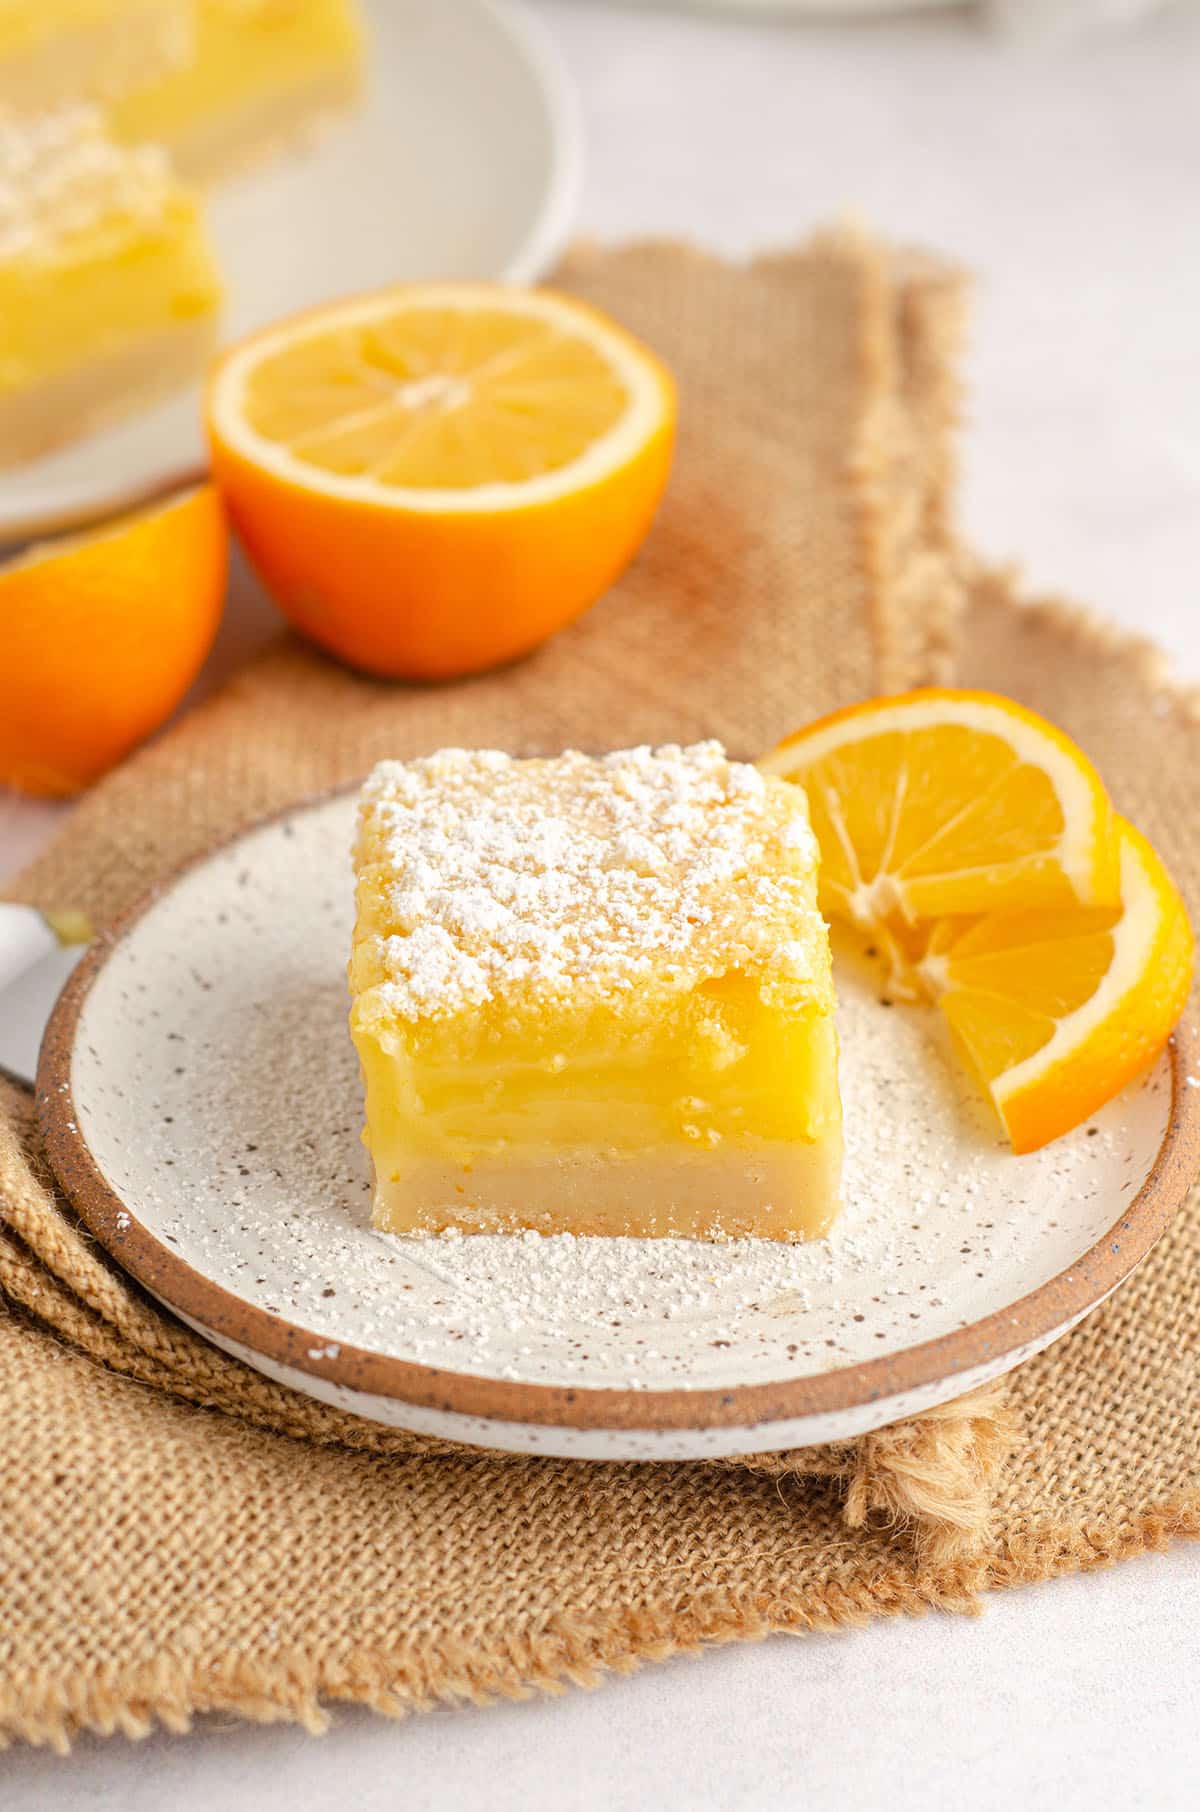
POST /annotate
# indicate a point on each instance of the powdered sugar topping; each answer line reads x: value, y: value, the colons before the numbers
x: 483, y: 876
x: 61, y: 174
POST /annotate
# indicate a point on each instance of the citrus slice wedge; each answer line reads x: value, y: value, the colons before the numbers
x: 1055, y: 1011
x: 939, y: 801
x: 433, y: 478
x: 974, y: 847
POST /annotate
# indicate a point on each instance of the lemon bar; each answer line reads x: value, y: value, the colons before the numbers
x: 219, y: 83
x: 256, y: 73
x: 592, y: 994
x: 108, y: 290
x: 55, y: 52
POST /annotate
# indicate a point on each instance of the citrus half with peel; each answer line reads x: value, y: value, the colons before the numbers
x: 101, y: 634
x: 434, y: 478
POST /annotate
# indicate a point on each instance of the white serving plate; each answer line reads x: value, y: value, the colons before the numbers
x: 463, y: 161
x: 201, y: 1105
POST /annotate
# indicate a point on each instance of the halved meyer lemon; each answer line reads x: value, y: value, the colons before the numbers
x: 975, y: 846
x: 434, y: 478
x: 1056, y: 1010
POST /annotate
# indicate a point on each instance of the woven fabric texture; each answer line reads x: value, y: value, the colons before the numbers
x: 180, y: 1534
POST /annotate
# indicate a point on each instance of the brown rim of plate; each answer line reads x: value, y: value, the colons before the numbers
x: 1030, y: 1320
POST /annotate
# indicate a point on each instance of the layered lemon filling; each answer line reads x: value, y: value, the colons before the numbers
x: 105, y: 272
x: 594, y: 995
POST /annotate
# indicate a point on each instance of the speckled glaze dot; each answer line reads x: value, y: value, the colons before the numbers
x: 202, y: 1106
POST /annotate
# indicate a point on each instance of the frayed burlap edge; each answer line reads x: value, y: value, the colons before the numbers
x: 1004, y: 585
x: 296, y: 1688
x: 904, y: 466
x: 913, y: 565
x: 932, y: 1476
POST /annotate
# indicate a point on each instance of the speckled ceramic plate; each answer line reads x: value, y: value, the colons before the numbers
x: 201, y: 1105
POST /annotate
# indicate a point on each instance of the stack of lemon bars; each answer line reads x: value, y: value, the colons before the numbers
x: 114, y: 116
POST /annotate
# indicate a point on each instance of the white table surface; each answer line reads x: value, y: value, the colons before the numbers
x: 1069, y: 184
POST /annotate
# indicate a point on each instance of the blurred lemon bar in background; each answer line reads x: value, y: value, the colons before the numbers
x: 56, y: 51
x: 257, y: 73
x: 220, y: 83
x: 108, y: 288
x: 593, y: 995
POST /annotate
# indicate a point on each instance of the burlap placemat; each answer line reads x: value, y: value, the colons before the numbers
x: 156, y: 1557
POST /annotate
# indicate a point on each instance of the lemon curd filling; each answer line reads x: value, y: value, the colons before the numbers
x: 593, y: 995
x: 108, y: 290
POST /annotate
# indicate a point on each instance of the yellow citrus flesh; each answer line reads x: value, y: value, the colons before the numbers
x: 1056, y: 1011
x: 975, y: 848
x: 940, y: 801
x: 437, y: 398
x: 434, y: 478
